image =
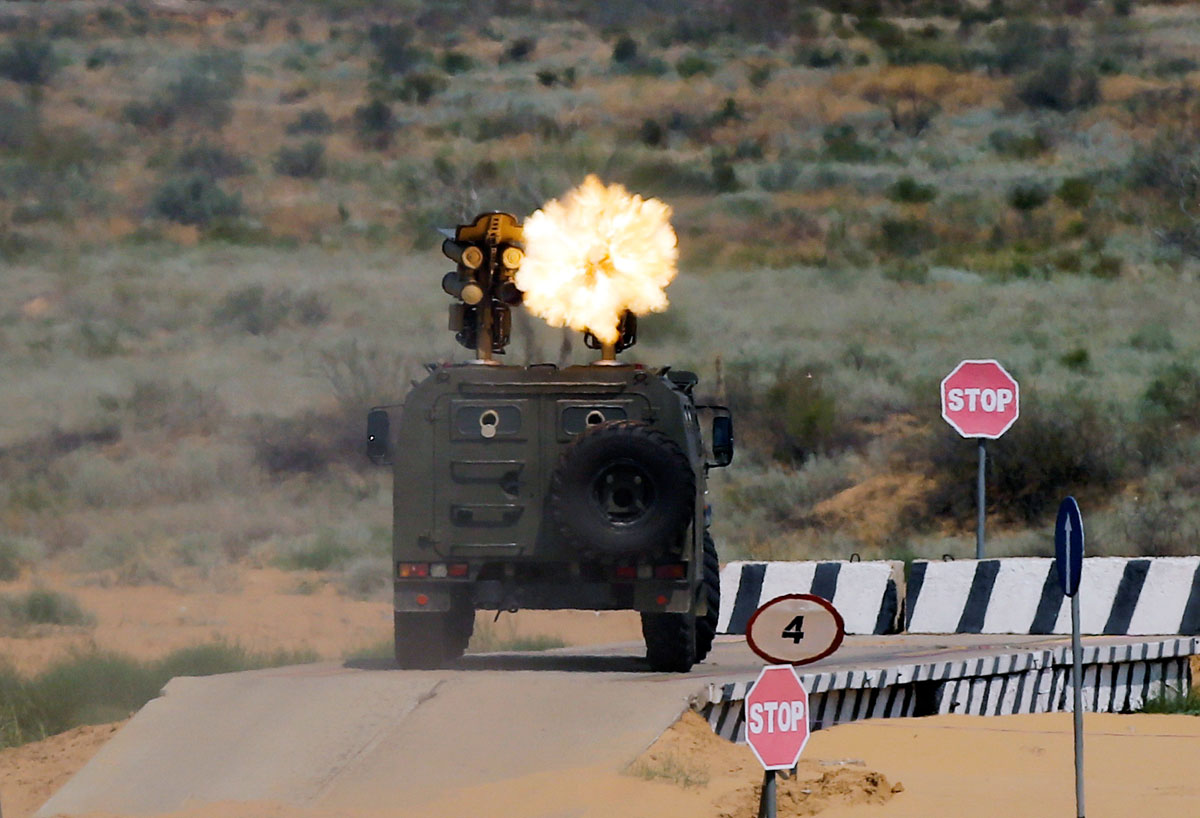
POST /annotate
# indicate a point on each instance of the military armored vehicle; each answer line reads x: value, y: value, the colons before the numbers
x: 542, y: 487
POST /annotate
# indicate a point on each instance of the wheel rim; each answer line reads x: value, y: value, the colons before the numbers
x: 624, y: 492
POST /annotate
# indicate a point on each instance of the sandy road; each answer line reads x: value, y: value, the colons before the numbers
x: 369, y: 737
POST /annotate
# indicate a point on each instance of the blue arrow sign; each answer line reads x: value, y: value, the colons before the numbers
x: 1068, y: 545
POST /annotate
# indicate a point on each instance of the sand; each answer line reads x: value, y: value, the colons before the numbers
x: 952, y: 765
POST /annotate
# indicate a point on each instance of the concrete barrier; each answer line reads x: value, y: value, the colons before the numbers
x: 867, y: 594
x: 1118, y: 595
x: 1116, y: 679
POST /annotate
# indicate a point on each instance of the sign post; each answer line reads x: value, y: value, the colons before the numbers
x: 789, y: 630
x: 1068, y: 558
x: 980, y: 399
x: 777, y: 726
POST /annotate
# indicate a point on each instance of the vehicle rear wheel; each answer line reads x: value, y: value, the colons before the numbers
x: 670, y: 641
x: 430, y: 640
x: 621, y: 489
x: 706, y: 626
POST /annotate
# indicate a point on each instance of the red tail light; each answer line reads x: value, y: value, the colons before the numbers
x: 674, y: 570
x: 626, y: 572
x: 412, y: 570
x: 459, y: 569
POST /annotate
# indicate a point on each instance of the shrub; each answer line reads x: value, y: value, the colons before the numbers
x: 211, y: 160
x: 1029, y: 146
x: 96, y: 687
x: 41, y: 607
x: 625, y: 50
x: 394, y: 50
x: 421, y: 87
x: 19, y: 126
x: 303, y: 161
x: 196, y: 199
x: 800, y: 416
x: 306, y: 444
x: 652, y: 134
x: 1060, y: 85
x: 905, y: 237
x: 1069, y: 444
x: 842, y: 145
x: 102, y: 56
x: 723, y: 175
x: 251, y: 309
x: 29, y: 62
x: 456, y: 62
x: 1173, y: 396
x: 201, y: 95
x: 312, y: 121
x: 322, y: 552
x: 1027, y: 197
x: 520, y: 50
x: 1077, y: 360
x: 690, y: 65
x: 909, y: 190
x: 374, y: 124
x: 1075, y: 191
x: 16, y: 554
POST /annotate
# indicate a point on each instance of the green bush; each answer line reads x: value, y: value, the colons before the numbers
x: 842, y: 145
x: 1173, y: 396
x: 1060, y: 85
x: 41, y: 607
x: 303, y: 161
x: 98, y: 687
x: 1069, y: 444
x: 394, y: 49
x: 30, y: 62
x: 312, y: 121
x: 520, y: 49
x: 1027, y: 197
x: 904, y: 237
x: 1015, y: 146
x: 251, y: 309
x: 374, y: 124
x: 456, y: 62
x: 692, y: 64
x: 1075, y: 191
x: 196, y: 199
x: 321, y: 553
x: 909, y: 190
x: 625, y: 50
x: 211, y: 160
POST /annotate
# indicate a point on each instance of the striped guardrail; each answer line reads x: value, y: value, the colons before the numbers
x: 1116, y: 679
x: 1118, y: 595
x: 866, y: 594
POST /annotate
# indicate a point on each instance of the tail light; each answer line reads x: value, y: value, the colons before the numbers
x: 412, y: 570
x: 674, y: 570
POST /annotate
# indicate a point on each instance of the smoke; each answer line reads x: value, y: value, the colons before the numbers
x: 594, y: 254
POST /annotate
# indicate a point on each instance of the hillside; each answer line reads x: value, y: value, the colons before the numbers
x: 217, y: 242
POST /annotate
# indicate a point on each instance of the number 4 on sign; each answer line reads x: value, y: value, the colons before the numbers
x: 794, y: 630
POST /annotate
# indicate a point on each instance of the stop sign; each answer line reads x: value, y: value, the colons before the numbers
x: 980, y: 399
x: 777, y: 717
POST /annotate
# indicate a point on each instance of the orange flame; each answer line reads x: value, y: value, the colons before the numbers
x: 595, y: 254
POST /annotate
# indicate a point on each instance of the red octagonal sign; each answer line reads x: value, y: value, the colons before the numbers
x: 777, y: 717
x: 980, y: 399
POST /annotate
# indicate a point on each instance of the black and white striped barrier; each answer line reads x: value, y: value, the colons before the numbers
x: 866, y: 594
x: 1118, y: 595
x: 1116, y: 679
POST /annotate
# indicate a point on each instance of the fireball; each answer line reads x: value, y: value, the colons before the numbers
x: 595, y: 254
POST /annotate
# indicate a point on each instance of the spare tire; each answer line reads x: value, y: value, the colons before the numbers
x: 622, y: 488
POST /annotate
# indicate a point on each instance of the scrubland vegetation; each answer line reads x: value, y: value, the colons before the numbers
x: 218, y: 247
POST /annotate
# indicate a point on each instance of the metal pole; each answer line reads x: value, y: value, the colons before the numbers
x: 980, y: 500
x: 766, y: 804
x: 1077, y: 683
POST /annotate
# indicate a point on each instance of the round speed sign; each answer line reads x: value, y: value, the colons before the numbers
x: 795, y: 629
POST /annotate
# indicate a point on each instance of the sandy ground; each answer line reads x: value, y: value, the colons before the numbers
x: 951, y: 765
x: 267, y: 612
x: 956, y: 765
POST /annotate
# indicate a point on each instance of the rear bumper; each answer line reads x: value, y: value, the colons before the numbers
x: 645, y: 595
